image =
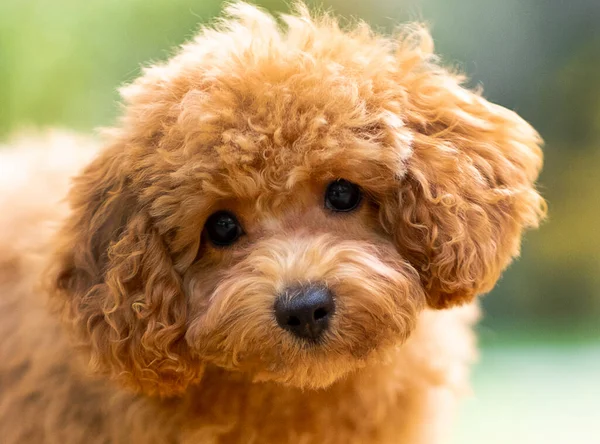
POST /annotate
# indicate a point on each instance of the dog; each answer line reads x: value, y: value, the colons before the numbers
x: 281, y: 241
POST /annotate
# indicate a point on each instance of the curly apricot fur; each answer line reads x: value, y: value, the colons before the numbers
x: 173, y: 339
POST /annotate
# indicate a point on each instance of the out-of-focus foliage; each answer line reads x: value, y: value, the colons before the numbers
x: 62, y: 60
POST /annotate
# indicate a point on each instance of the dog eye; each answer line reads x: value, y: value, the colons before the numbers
x: 342, y: 195
x: 223, y: 228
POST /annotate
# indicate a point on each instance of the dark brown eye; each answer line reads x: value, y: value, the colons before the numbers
x: 223, y: 228
x: 342, y: 195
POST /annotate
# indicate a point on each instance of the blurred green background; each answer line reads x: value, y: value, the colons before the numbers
x: 538, y: 380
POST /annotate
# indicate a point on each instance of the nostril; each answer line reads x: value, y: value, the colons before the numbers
x: 320, y: 313
x: 293, y: 321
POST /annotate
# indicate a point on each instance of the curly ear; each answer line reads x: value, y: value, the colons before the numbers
x: 114, y: 280
x: 468, y: 191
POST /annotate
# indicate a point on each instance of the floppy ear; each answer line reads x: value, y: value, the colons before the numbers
x: 115, y: 282
x: 468, y: 191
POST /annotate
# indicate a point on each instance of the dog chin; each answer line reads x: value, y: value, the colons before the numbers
x: 310, y: 377
x: 320, y: 375
x: 302, y: 381
x: 314, y: 369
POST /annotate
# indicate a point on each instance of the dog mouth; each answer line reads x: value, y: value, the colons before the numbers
x: 302, y: 355
x: 318, y: 365
x: 276, y: 355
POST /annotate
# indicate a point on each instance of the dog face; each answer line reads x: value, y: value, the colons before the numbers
x: 285, y: 203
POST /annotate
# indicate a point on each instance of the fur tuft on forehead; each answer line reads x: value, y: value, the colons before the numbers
x: 263, y: 96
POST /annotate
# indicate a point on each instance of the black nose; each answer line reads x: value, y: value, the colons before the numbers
x: 305, y: 311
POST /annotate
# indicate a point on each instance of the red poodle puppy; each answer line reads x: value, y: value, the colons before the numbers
x: 268, y: 248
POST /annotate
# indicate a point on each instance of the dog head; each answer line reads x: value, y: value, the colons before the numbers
x: 284, y: 202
